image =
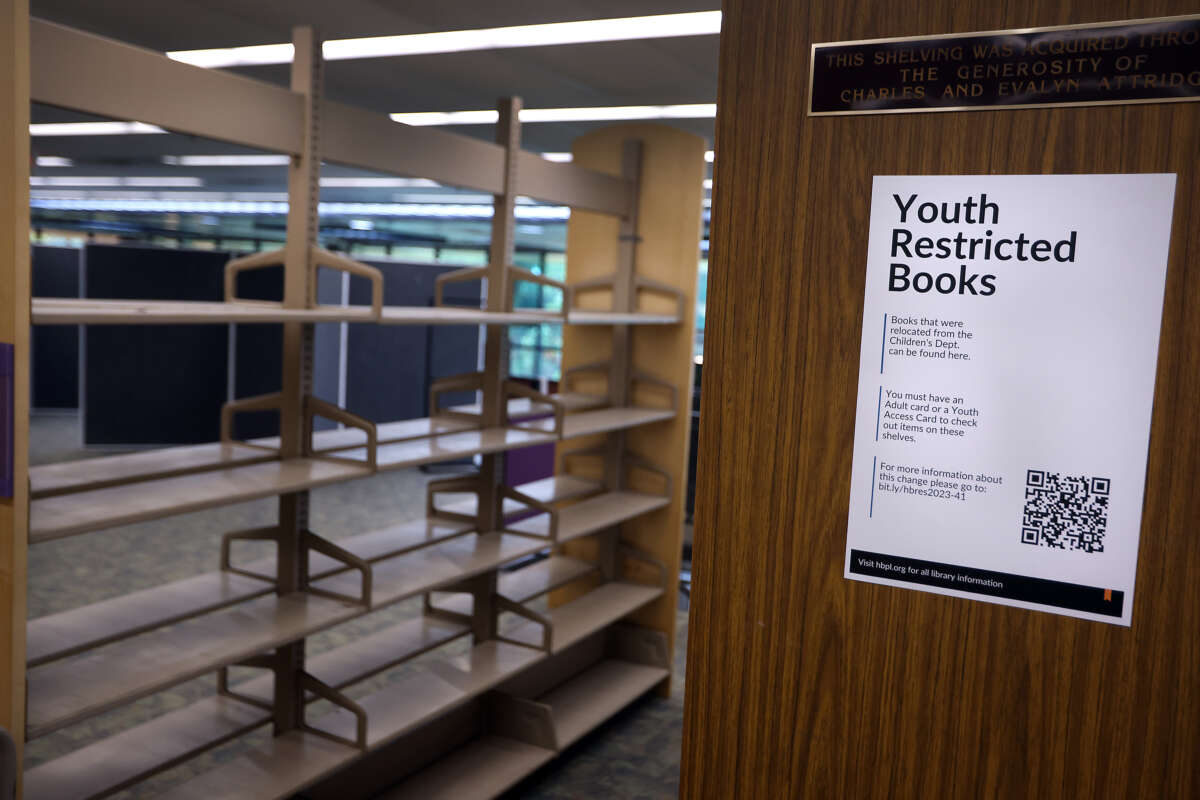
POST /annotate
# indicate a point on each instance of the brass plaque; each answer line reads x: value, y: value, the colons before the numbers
x: 1136, y: 61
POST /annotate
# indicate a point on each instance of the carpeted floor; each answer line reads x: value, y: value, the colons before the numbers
x: 634, y: 756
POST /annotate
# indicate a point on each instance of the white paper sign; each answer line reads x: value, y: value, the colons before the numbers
x: 1009, y: 347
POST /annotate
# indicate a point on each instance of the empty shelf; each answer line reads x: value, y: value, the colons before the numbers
x: 479, y: 770
x: 450, y: 447
x: 110, y: 764
x: 589, y: 613
x: 124, y: 758
x: 272, y: 771
x: 432, y: 567
x: 67, y: 515
x: 546, y: 490
x: 523, y: 406
x: 439, y: 687
x: 558, y: 487
x: 593, y: 514
x: 542, y: 576
x: 385, y: 433
x: 577, y: 317
x: 585, y: 423
x: 442, y: 315
x: 68, y: 632
x: 372, y: 654
x: 285, y: 765
x: 387, y: 542
x: 95, y: 473
x: 68, y: 691
x: 590, y: 698
x: 72, y: 311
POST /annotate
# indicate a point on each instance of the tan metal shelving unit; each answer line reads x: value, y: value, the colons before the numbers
x: 530, y: 683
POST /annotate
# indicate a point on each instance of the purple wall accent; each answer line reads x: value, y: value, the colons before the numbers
x: 6, y: 420
x: 529, y: 463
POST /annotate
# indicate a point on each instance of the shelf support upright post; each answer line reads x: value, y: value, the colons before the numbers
x: 495, y: 355
x: 620, y: 371
x: 14, y: 365
x: 302, y: 228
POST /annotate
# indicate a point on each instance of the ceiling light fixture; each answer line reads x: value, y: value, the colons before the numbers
x: 91, y: 128
x: 657, y: 26
x: 53, y: 161
x: 113, y: 180
x: 592, y: 114
x: 378, y: 183
x: 264, y: 160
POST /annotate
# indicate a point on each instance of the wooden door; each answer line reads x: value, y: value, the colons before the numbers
x: 801, y: 683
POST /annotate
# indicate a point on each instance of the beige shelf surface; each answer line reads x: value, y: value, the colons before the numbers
x: 68, y: 632
x: 394, y: 540
x: 589, y: 613
x: 64, y: 692
x: 78, y: 311
x: 112, y: 763
x: 94, y: 473
x: 479, y: 770
x: 126, y: 757
x: 67, y: 515
x: 274, y: 770
x: 583, y: 317
x: 547, y: 490
x: 542, y: 576
x: 427, y: 569
x: 439, y: 687
x: 585, y: 701
x: 451, y: 446
x: 604, y: 420
x: 413, y: 315
x: 523, y: 406
x: 593, y: 514
x: 385, y: 433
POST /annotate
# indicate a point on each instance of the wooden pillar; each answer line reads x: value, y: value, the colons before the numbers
x: 802, y: 684
x: 666, y: 248
x: 14, y: 331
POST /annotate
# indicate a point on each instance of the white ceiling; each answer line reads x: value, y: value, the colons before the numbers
x: 643, y: 72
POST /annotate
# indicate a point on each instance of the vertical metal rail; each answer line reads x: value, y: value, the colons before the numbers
x: 303, y: 190
x: 495, y: 368
x: 620, y: 369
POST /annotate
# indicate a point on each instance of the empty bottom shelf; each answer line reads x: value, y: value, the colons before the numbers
x: 585, y: 701
x: 478, y: 770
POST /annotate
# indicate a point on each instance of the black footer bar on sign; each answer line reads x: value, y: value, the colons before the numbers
x: 1077, y: 597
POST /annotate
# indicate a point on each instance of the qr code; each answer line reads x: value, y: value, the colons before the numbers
x: 1068, y: 512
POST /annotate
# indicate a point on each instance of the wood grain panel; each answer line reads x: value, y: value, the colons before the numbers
x: 14, y: 329
x: 802, y: 684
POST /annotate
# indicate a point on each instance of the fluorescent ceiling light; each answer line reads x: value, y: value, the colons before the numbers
x: 161, y: 206
x: 264, y: 160
x: 163, y: 181
x: 708, y: 183
x: 377, y: 183
x: 91, y: 128
x: 595, y: 113
x: 54, y: 161
x: 567, y: 157
x: 658, y: 26
x: 106, y: 180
